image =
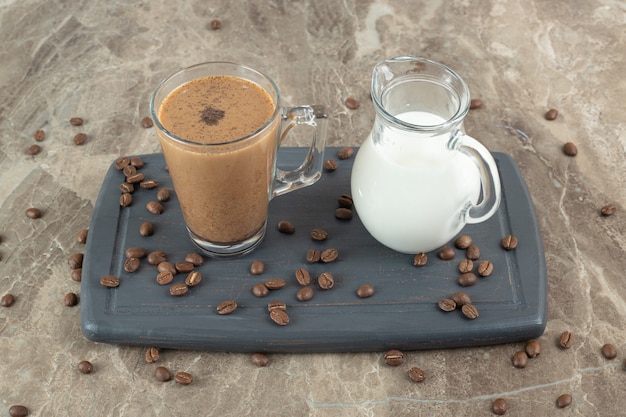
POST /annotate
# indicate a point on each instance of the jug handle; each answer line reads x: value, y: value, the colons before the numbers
x: 489, y: 179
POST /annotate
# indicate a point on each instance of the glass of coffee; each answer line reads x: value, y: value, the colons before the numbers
x: 220, y: 125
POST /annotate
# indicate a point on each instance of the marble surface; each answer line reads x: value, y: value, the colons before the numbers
x: 102, y: 60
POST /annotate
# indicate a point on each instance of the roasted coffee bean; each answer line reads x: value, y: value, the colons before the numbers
x: 162, y: 374
x: 485, y: 268
x: 563, y: 400
x: 279, y: 317
x: 193, y: 278
x: 136, y: 178
x: 470, y: 311
x: 127, y: 187
x: 509, y: 242
x: 467, y: 280
x: 126, y: 199
x: 475, y: 103
x: 85, y: 367
x: 394, y: 357
x: 365, y: 291
x: 461, y: 298
x: 566, y: 340
x: 275, y: 283
x: 326, y: 280
x: 305, y: 294
x: 329, y: 255
x: 163, y: 195
x: 33, y: 213
x: 183, y: 378
x: 570, y: 149
x: 420, y: 259
x: 285, y: 226
x: 184, y: 267
x: 147, y: 122
x: 260, y: 359
x: 77, y: 274
x: 532, y: 348
x: 466, y: 265
x: 149, y: 184
x: 257, y: 267
x: 110, y: 281
x: 463, y: 242
x: 156, y: 257
x: 146, y: 229
x: 135, y: 252
x: 194, y: 258
x: 343, y: 213
x: 551, y: 114
x: 276, y: 304
x: 137, y: 162
x: 121, y: 162
x: 345, y: 201
x: 416, y: 374
x: 80, y: 139
x: 129, y: 170
x: 39, y: 135
x: 76, y: 121
x: 345, y: 153
x: 152, y: 355
x: 33, y: 150
x: 609, y: 351
x: 18, y: 411
x: 352, y: 103
x: 75, y: 260
x: 446, y: 253
x: 303, y: 276
x: 167, y: 267
x: 7, y: 300
x: 154, y: 207
x: 499, y: 406
x: 313, y: 256
x: 473, y: 252
x: 178, y: 290
x: 319, y: 234
x: 165, y: 277
x: 216, y: 24
x: 330, y: 165
x: 226, y: 307
x: 260, y: 290
x: 447, y: 304
x: 520, y: 359
x: 81, y: 236
x: 131, y: 264
x: 608, y: 210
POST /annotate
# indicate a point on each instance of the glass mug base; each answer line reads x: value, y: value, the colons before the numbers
x: 228, y: 250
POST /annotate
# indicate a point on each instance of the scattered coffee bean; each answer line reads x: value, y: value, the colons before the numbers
x: 470, y: 311
x: 275, y: 283
x: 257, y: 268
x: 466, y: 265
x: 563, y: 400
x: 420, y: 259
x: 285, y: 226
x: 570, y: 149
x: 509, y: 242
x: 156, y: 257
x: 260, y: 359
x: 81, y: 236
x: 305, y: 294
x: 485, y: 268
x: 475, y: 103
x: 329, y: 255
x: 446, y: 253
x: 330, y: 165
x: 352, y: 103
x: 416, y: 374
x: 279, y: 317
x: 319, y: 234
x: 85, y: 367
x: 326, y: 280
x: 135, y: 252
x: 467, y: 280
x: 608, y: 210
x: 303, y: 276
x: 447, y: 304
x: 39, y: 135
x: 178, y: 290
x: 551, y: 114
x: 163, y: 195
x: 184, y: 267
x: 609, y: 351
x: 226, y: 307
x: 122, y: 162
x: 18, y: 411
x: 152, y: 355
x: 472, y: 252
x: 566, y: 340
x: 135, y: 178
x: 193, y: 279
x: 260, y: 290
x: 162, y: 374
x: 276, y: 304
x: 77, y: 274
x: 343, y: 213
x: 183, y: 378
x: 461, y: 298
x: 126, y: 199
x: 33, y: 213
x: 7, y: 300
x: 70, y: 299
x: 167, y: 267
x: 520, y: 359
x: 499, y: 406
x: 365, y: 291
x: 129, y: 170
x: 75, y: 260
x: 165, y: 277
x: 313, y: 256
x: 110, y: 281
x: 80, y: 139
x: 345, y: 201
x: 149, y: 184
x: 127, y: 187
x: 33, y: 150
x: 154, y: 207
x: 394, y: 357
x: 194, y: 258
x: 147, y: 122
x: 216, y: 24
x: 532, y: 348
x: 345, y: 153
x: 463, y: 242
x: 76, y: 121
x: 146, y: 229
x: 137, y: 162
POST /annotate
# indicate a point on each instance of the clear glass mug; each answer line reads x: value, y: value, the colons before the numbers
x: 418, y: 178
x: 224, y: 186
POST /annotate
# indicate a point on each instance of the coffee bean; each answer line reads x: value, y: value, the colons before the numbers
x: 485, y: 268
x: 184, y: 267
x: 326, y: 280
x: 149, y: 184
x: 566, y: 340
x: 352, y: 103
x: 110, y: 281
x: 467, y: 280
x: 279, y: 317
x: 509, y: 242
x: 466, y: 265
x: 146, y: 229
x: 135, y: 178
x: 152, y: 355
x: 257, y: 268
x: 285, y: 226
x: 345, y: 201
x: 147, y: 122
x: 33, y: 150
x: 122, y: 162
x: 313, y: 256
x: 33, y: 213
x: 520, y: 359
x: 85, y: 367
x: 80, y: 139
x: 163, y: 195
x: 135, y: 252
x: 7, y: 300
x: 470, y: 311
x: 365, y: 291
x: 305, y: 294
x: 216, y: 24
x: 193, y: 278
x: 260, y: 290
x: 420, y: 259
x: 75, y: 260
x: 416, y: 374
x: 70, y: 299
x: 194, y: 258
x: 329, y: 255
x: 39, y: 135
x: 154, y: 207
x: 343, y: 213
x: 165, y: 277
x: 461, y: 298
x: 137, y: 162
x: 226, y: 307
x: 532, y: 348
x: 260, y: 359
x: 394, y: 357
x: 167, y: 267
x: 126, y: 199
x: 551, y: 114
x: 303, y: 277
x: 319, y: 234
x: 475, y: 103
x: 129, y: 170
x: 570, y: 149
x: 446, y: 253
x: 76, y: 121
x: 609, y: 351
x: 608, y: 210
x: 18, y: 411
x: 162, y: 374
x: 77, y: 274
x: 127, y: 187
x: 499, y: 406
x: 463, y: 242
x: 330, y: 165
x: 472, y: 252
x: 345, y: 153
x: 563, y: 400
x: 447, y: 304
x: 276, y: 304
x: 81, y: 236
x: 156, y: 257
x: 178, y: 290
x: 275, y: 283
x: 183, y: 378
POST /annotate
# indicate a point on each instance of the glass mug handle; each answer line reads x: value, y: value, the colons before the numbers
x: 310, y: 170
x: 489, y: 180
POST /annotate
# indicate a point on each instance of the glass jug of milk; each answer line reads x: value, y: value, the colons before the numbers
x: 418, y: 178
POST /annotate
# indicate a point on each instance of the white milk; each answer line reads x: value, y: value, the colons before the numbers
x: 411, y: 191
